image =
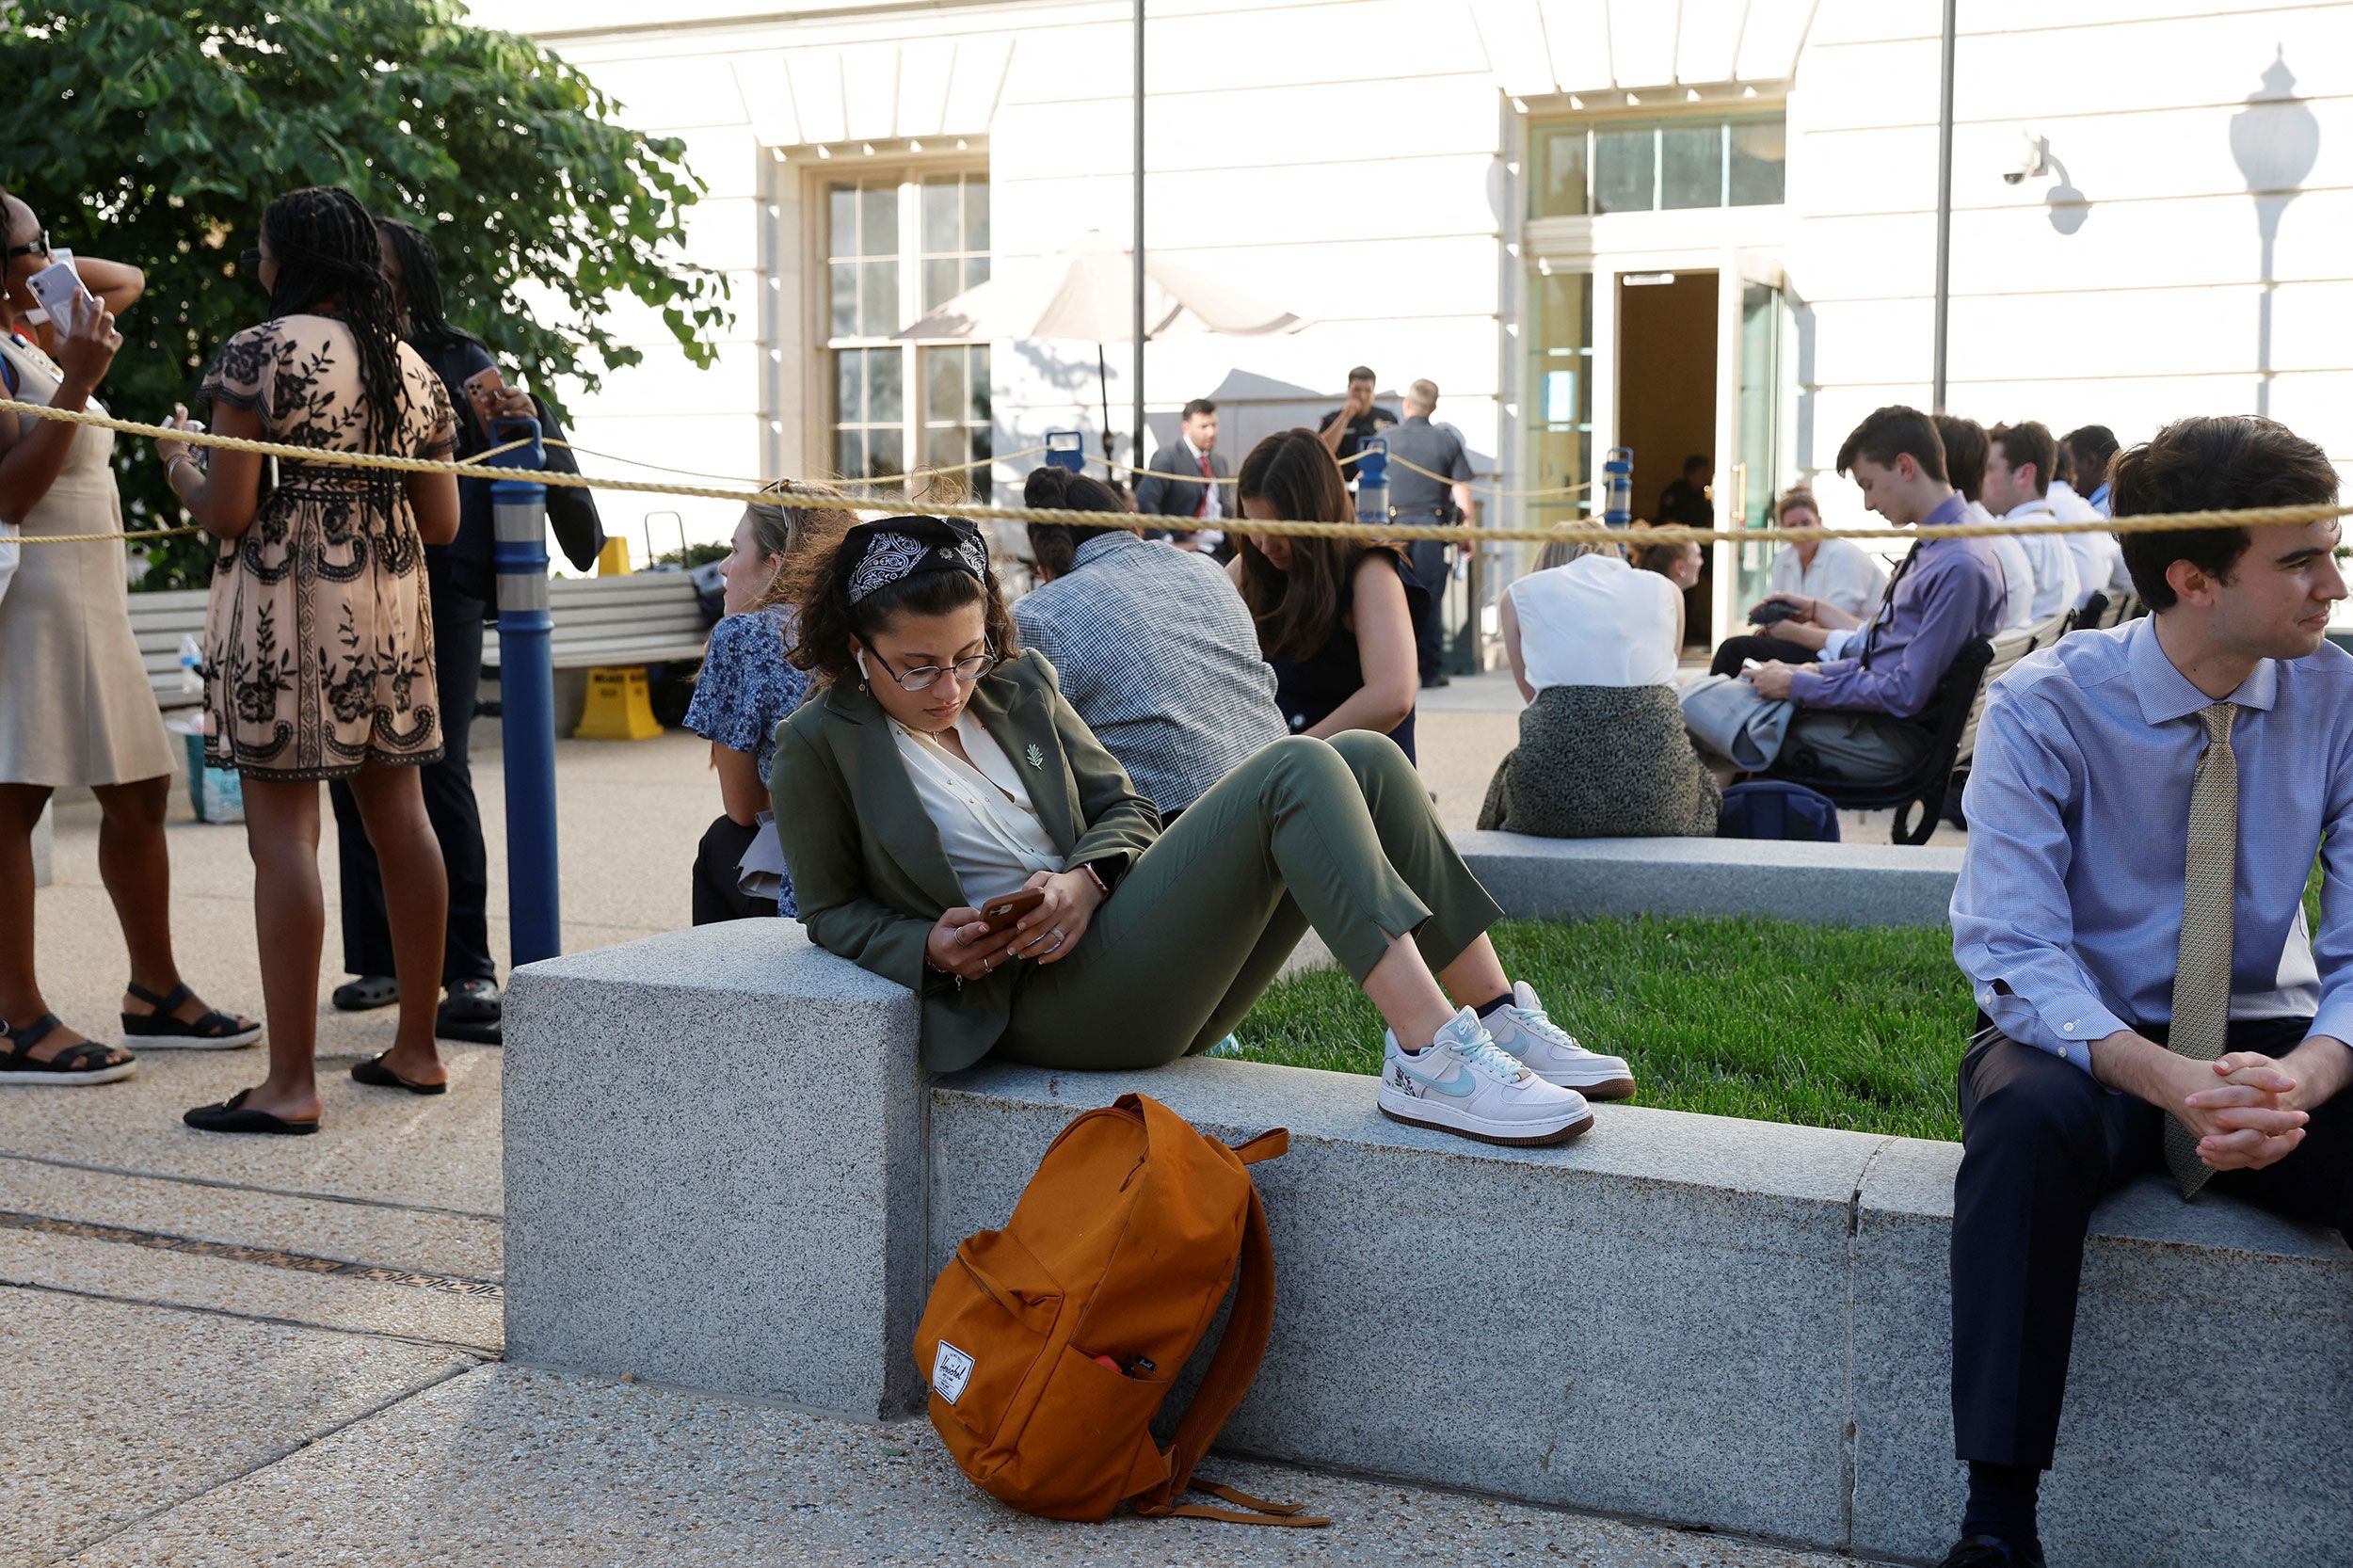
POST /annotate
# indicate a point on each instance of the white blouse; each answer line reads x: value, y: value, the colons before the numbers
x: 1843, y: 573
x: 1596, y: 622
x: 987, y: 825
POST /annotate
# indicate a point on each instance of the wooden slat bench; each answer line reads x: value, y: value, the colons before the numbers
x: 647, y: 617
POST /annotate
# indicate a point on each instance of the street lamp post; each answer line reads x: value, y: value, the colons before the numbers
x: 2275, y: 141
x: 1943, y: 206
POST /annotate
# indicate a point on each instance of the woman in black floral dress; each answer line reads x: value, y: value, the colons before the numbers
x: 319, y: 639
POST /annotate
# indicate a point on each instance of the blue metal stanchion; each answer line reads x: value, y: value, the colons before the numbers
x: 527, y: 697
x: 1067, y: 449
x: 1372, y: 479
x: 1618, y: 472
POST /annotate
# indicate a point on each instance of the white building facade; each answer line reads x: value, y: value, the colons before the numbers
x: 1681, y: 226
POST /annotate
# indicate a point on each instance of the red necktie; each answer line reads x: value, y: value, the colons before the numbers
x: 1203, y: 510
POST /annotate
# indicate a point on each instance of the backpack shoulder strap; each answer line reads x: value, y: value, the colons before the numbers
x: 1231, y: 1369
x: 1271, y: 1145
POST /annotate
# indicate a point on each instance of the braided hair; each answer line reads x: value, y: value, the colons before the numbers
x: 428, y: 325
x: 324, y: 243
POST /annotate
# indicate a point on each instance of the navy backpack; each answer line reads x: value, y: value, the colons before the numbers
x: 1770, y: 809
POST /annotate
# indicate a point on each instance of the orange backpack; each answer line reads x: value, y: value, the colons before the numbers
x: 1051, y: 1344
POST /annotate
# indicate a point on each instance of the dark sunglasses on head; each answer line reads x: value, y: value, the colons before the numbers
x: 35, y: 248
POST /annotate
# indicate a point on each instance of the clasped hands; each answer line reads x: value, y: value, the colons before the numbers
x: 2254, y: 1116
x: 962, y: 944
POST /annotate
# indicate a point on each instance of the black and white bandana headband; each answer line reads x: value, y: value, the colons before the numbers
x: 897, y: 547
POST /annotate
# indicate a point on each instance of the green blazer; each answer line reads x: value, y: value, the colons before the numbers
x: 867, y: 870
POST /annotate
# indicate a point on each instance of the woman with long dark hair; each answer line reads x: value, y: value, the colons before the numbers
x: 941, y: 773
x: 318, y: 645
x: 464, y: 591
x: 1335, y: 617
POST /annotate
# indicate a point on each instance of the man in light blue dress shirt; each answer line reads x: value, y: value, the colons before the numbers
x: 2068, y: 916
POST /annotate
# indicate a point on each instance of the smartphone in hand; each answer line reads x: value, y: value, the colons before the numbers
x: 483, y: 388
x: 62, y: 295
x: 1001, y: 914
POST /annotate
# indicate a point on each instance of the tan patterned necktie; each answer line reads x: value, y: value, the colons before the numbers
x: 2202, y: 973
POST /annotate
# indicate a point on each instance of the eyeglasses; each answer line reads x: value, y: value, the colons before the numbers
x: 36, y: 248
x: 249, y: 262
x: 923, y: 676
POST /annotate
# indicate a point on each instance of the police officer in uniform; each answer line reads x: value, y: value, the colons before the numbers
x: 1345, y: 428
x: 1422, y: 500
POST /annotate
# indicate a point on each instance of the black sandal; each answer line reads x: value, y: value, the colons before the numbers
x: 372, y: 1071
x: 230, y: 1116
x: 84, y: 1064
x: 160, y: 1031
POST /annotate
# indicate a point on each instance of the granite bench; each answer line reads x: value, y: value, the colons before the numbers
x: 1723, y: 1322
x: 1843, y: 884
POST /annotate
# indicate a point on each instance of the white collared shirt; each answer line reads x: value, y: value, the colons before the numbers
x: 1198, y: 459
x: 2017, y: 574
x: 986, y: 822
x: 2099, y: 558
x: 2057, y: 585
x: 1841, y: 573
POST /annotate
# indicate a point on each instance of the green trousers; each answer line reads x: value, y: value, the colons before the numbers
x: 1337, y: 836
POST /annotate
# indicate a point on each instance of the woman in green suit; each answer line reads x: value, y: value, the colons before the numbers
x: 940, y: 770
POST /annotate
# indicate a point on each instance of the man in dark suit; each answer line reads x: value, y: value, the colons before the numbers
x: 1176, y: 482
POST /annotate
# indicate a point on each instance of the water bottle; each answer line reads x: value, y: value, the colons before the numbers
x: 1372, y: 480
x: 191, y: 663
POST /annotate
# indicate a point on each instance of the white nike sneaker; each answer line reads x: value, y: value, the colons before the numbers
x: 1465, y: 1084
x: 1552, y: 1052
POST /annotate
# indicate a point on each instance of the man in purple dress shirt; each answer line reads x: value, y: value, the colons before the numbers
x: 1858, y: 711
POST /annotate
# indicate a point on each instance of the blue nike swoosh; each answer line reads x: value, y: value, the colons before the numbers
x: 1462, y: 1085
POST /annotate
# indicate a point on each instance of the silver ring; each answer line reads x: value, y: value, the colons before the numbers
x: 1058, y: 941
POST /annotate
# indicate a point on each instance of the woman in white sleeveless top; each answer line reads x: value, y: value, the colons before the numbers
x: 75, y: 708
x: 1603, y: 752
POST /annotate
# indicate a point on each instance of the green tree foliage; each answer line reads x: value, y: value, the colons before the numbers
x: 153, y: 132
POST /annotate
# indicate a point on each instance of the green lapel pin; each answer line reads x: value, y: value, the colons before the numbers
x: 1036, y: 757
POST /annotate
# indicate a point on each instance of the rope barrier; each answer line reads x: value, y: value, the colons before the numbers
x: 2254, y: 517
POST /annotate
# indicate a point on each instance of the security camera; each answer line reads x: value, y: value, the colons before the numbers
x: 2035, y: 162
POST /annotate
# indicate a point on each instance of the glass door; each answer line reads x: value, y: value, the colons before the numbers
x: 1759, y: 466
x: 1560, y: 399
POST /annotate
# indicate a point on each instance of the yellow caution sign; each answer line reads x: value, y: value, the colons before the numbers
x: 613, y: 560
x: 619, y: 705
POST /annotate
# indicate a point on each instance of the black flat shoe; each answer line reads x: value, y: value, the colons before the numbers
x: 372, y: 1071
x: 230, y: 1115
x: 1984, y: 1551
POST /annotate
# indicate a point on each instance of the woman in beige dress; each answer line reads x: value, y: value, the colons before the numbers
x: 318, y: 645
x: 75, y: 708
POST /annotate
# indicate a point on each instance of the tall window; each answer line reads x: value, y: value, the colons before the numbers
x: 897, y: 245
x: 1635, y: 165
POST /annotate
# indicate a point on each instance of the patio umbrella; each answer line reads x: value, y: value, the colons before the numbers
x: 1087, y: 292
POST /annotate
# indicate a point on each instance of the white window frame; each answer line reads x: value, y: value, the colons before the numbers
x: 817, y: 252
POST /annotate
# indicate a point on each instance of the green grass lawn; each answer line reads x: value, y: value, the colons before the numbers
x: 1854, y: 1027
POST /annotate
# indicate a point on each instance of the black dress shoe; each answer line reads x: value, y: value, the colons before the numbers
x: 1984, y: 1551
